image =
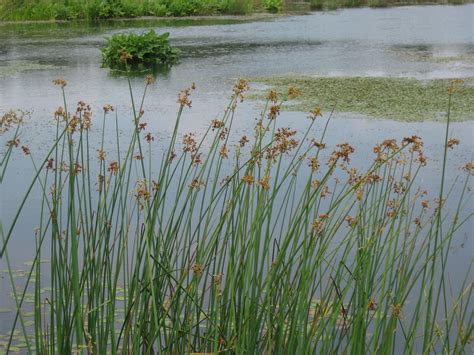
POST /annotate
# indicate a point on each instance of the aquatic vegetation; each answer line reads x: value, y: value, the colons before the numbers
x: 124, y: 50
x: 273, y: 5
x: 381, y: 97
x: 271, y: 243
x: 106, y: 9
x: 336, y: 4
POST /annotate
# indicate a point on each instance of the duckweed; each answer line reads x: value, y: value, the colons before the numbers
x: 400, y: 99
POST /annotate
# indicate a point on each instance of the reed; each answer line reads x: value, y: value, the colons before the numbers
x: 265, y: 244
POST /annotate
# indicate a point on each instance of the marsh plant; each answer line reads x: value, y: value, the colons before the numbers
x: 267, y: 243
x: 106, y: 9
x: 125, y: 51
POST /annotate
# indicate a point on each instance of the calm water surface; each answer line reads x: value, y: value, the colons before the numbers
x: 422, y: 42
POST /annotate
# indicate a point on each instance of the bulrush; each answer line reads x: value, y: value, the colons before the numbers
x: 319, y: 258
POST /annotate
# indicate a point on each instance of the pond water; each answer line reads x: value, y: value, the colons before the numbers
x: 422, y: 42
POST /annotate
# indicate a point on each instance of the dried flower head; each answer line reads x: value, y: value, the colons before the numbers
x: 469, y: 167
x: 373, y: 178
x: 77, y: 169
x: 343, y: 152
x: 318, y: 145
x: 274, y: 112
x: 217, y: 279
x: 108, y: 108
x: 351, y: 221
x: 189, y: 143
x: 113, y: 167
x: 216, y: 124
x: 198, y: 269
x: 397, y: 310
x: 317, y: 225
x: 12, y: 118
x: 49, y: 164
x: 196, y: 159
x: 84, y: 120
x: 149, y: 137
x: 196, y: 184
x: 313, y: 164
x: 15, y: 142
x: 293, y: 92
x: 272, y: 96
x: 452, y: 142
x: 223, y: 134
x: 183, y: 96
x: 149, y: 80
x: 315, y: 112
x: 60, y: 113
x: 101, y: 154
x: 244, y: 140
x: 223, y: 152
x: 263, y: 182
x: 26, y: 150
x: 60, y: 82
x: 372, y: 305
x: 249, y: 179
x: 141, y: 192
x: 239, y: 88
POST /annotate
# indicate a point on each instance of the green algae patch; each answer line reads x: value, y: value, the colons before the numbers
x: 400, y: 99
x: 12, y: 68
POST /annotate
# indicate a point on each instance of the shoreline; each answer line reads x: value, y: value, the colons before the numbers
x: 256, y: 16
x: 253, y: 17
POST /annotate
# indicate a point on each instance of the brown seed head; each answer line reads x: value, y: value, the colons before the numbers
x: 60, y: 82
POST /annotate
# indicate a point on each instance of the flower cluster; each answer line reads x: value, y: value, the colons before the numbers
x: 60, y: 82
x: 343, y: 152
x: 183, y: 96
x: 239, y: 88
x: 264, y: 182
x: 284, y: 143
x: 189, y: 143
x: 12, y: 118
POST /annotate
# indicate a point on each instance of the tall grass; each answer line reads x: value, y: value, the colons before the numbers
x: 21, y: 10
x: 104, y: 9
x: 263, y: 244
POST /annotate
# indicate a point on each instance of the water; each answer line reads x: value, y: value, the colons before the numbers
x: 422, y: 42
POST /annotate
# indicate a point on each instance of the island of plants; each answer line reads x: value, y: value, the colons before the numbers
x: 135, y: 50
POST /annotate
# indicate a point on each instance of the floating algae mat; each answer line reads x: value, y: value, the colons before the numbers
x: 394, y: 98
